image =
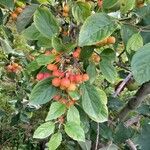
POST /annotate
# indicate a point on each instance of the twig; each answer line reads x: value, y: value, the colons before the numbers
x: 132, y: 121
x: 131, y: 144
x: 135, y: 101
x: 121, y: 86
x: 97, y: 137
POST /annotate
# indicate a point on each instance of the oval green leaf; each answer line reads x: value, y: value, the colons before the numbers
x: 56, y: 110
x: 140, y: 65
x: 96, y: 28
x: 42, y: 92
x: 75, y: 131
x: 44, y: 130
x: 45, y: 22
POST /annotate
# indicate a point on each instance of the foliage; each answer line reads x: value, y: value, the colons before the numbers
x: 67, y: 70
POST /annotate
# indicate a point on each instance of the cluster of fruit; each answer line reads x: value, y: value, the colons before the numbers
x: 67, y: 101
x: 66, y: 80
x: 65, y: 10
x: 42, y: 75
x: 14, y: 67
x: 16, y: 12
x: 109, y: 40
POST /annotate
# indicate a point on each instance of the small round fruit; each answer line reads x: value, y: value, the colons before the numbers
x: 70, y: 103
x: 65, y: 14
x: 56, y: 73
x: 14, y: 16
x: 46, y: 75
x: 40, y: 76
x: 47, y: 53
x: 15, y: 65
x: 56, y: 82
x: 65, y: 82
x: 51, y: 67
x: 56, y: 97
x: 72, y: 87
x: 111, y: 40
x: 63, y: 100
x: 85, y: 77
x: 78, y: 78
x: 18, y: 10
x: 66, y: 8
x: 72, y: 78
x: 76, y: 54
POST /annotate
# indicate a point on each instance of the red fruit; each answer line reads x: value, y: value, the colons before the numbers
x: 72, y: 78
x: 18, y: 10
x: 78, y: 50
x: 85, y: 77
x: 70, y: 103
x: 78, y: 78
x: 14, y: 16
x: 63, y: 100
x: 72, y: 87
x: 111, y: 40
x: 56, y: 73
x: 40, y: 76
x: 47, y: 53
x: 51, y: 67
x: 46, y: 75
x: 56, y: 82
x: 76, y: 54
x: 56, y: 97
x: 57, y: 59
x: 65, y: 82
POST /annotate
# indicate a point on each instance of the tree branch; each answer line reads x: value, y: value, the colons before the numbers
x: 135, y: 101
x: 97, y: 137
x: 131, y: 144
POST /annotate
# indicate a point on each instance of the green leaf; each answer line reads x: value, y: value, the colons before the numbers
x: 45, y: 22
x: 56, y: 110
x: 55, y: 141
x: 44, y: 42
x: 96, y: 28
x: 140, y: 64
x: 108, y: 70
x: 91, y: 71
x: 109, y: 4
x: 31, y: 33
x: 86, y: 52
x: 126, y: 133
x: 144, y: 14
x: 32, y: 66
x: 7, y: 3
x: 44, y: 59
x: 6, y: 46
x: 44, y: 130
x: 127, y: 31
x: 134, y: 43
x: 80, y: 11
x: 42, y: 92
x: 25, y: 17
x: 74, y: 95
x: 74, y: 131
x: 94, y: 103
x: 57, y: 44
x: 106, y: 65
x: 127, y: 5
x: 73, y: 115
x: 144, y: 136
